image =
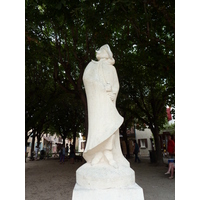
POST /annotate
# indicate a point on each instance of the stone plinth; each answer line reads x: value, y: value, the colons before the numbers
x: 104, y: 176
x: 132, y: 192
x: 104, y: 182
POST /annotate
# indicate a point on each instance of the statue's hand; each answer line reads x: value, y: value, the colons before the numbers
x: 111, y: 95
x: 108, y: 87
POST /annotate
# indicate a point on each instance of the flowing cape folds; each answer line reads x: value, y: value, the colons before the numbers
x: 103, y: 117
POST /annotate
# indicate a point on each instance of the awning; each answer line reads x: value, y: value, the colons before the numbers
x: 47, y: 138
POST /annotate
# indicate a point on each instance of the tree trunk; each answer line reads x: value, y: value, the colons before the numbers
x: 26, y: 141
x: 64, y: 137
x: 84, y: 101
x: 86, y: 123
x: 159, y: 157
x: 74, y: 139
x: 26, y: 138
x: 38, y: 139
x: 124, y: 128
x: 33, y: 145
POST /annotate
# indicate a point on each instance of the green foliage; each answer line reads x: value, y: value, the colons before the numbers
x: 61, y: 39
x: 169, y: 127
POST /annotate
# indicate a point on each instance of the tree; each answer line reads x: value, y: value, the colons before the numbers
x: 147, y: 82
x: 66, y: 117
x: 65, y: 34
x: 39, y: 94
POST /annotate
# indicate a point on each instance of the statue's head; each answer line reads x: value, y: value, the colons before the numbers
x: 105, y: 52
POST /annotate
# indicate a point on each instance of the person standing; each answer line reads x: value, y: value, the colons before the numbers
x: 171, y: 147
x: 136, y: 151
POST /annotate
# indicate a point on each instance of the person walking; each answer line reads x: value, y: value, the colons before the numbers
x: 136, y: 151
x: 62, y: 156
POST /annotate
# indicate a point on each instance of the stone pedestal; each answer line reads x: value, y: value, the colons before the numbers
x: 103, y: 182
x: 103, y: 176
x: 132, y: 192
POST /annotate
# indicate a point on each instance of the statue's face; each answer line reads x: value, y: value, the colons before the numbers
x: 98, y: 55
x: 101, y: 54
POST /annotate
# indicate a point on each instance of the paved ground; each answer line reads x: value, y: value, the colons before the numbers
x: 49, y: 180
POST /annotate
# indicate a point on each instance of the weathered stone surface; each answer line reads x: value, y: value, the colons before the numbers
x: 132, y: 192
x: 104, y: 176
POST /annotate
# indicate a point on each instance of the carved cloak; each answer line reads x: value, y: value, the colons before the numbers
x: 103, y: 117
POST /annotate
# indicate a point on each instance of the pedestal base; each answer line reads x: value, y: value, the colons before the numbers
x: 131, y: 192
x: 104, y: 176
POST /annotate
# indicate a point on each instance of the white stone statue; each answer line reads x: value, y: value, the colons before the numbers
x: 107, y: 174
x: 102, y: 86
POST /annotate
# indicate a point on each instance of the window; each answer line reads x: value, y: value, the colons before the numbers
x: 143, y: 143
x: 83, y: 145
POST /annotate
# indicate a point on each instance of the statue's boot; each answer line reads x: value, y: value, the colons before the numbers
x: 97, y: 158
x: 108, y: 154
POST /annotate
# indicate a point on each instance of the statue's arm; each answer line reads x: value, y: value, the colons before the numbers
x: 114, y: 85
